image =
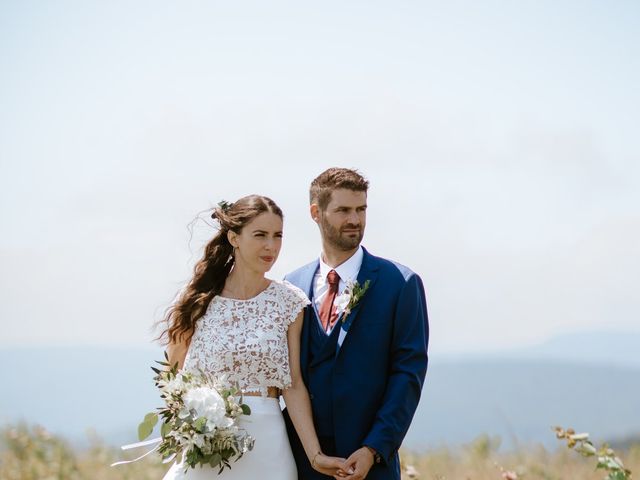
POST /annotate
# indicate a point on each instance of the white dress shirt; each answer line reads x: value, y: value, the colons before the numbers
x: 347, y: 271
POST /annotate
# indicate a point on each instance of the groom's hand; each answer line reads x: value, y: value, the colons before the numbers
x: 360, y: 462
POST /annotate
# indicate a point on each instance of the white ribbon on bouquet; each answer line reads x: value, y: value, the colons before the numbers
x: 146, y: 443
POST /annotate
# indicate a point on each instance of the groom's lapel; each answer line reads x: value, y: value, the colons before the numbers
x: 306, y: 283
x: 306, y: 278
x: 368, y: 272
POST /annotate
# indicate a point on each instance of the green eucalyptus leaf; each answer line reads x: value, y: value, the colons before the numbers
x: 144, y: 430
x: 151, y: 418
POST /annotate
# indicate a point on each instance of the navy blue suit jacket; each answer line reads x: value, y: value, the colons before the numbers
x: 380, y: 368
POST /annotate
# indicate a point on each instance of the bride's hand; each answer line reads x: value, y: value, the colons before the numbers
x: 331, y: 466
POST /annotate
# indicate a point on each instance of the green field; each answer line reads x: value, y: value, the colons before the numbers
x: 31, y: 453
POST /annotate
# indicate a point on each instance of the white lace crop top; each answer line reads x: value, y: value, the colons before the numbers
x: 246, y: 340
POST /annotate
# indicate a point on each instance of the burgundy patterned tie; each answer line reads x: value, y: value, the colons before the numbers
x: 328, y: 314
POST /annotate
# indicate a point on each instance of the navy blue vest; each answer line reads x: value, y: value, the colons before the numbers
x: 321, y: 376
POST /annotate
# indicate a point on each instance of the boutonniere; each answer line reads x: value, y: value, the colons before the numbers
x: 350, y: 297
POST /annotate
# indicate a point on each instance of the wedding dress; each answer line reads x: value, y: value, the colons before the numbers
x: 246, y: 340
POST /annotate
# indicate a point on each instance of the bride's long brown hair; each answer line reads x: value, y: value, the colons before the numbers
x: 210, y: 273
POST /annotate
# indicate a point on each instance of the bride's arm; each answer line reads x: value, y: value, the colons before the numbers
x: 177, y: 352
x: 296, y: 397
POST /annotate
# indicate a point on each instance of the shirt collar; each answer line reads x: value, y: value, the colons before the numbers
x: 347, y: 270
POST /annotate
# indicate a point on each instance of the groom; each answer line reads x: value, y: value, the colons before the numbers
x: 364, y: 365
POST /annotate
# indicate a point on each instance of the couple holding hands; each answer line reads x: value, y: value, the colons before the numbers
x: 342, y: 339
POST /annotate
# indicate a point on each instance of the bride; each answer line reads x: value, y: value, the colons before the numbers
x: 231, y: 320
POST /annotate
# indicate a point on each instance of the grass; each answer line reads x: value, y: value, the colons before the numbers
x: 480, y: 460
x: 30, y: 453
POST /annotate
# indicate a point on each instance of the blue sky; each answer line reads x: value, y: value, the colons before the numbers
x: 500, y: 139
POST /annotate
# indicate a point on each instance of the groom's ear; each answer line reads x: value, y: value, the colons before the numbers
x: 315, y: 212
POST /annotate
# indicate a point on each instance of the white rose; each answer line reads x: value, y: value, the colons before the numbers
x: 209, y: 404
x: 202, y: 399
x: 341, y: 302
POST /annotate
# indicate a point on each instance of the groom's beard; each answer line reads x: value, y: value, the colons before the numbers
x: 338, y: 239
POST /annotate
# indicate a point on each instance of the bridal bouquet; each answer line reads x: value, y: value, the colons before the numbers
x: 199, y: 419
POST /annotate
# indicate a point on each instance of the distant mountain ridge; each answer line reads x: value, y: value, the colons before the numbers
x: 597, y: 347
x: 109, y: 389
x: 521, y: 400
x: 605, y: 348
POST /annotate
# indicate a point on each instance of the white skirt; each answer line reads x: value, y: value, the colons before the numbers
x: 271, y: 457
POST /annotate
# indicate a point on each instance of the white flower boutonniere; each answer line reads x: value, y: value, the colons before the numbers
x: 350, y: 297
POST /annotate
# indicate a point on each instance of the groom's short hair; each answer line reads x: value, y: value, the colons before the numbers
x: 333, y: 179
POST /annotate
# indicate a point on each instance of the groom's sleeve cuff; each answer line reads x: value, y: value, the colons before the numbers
x: 383, y: 455
x: 374, y: 452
